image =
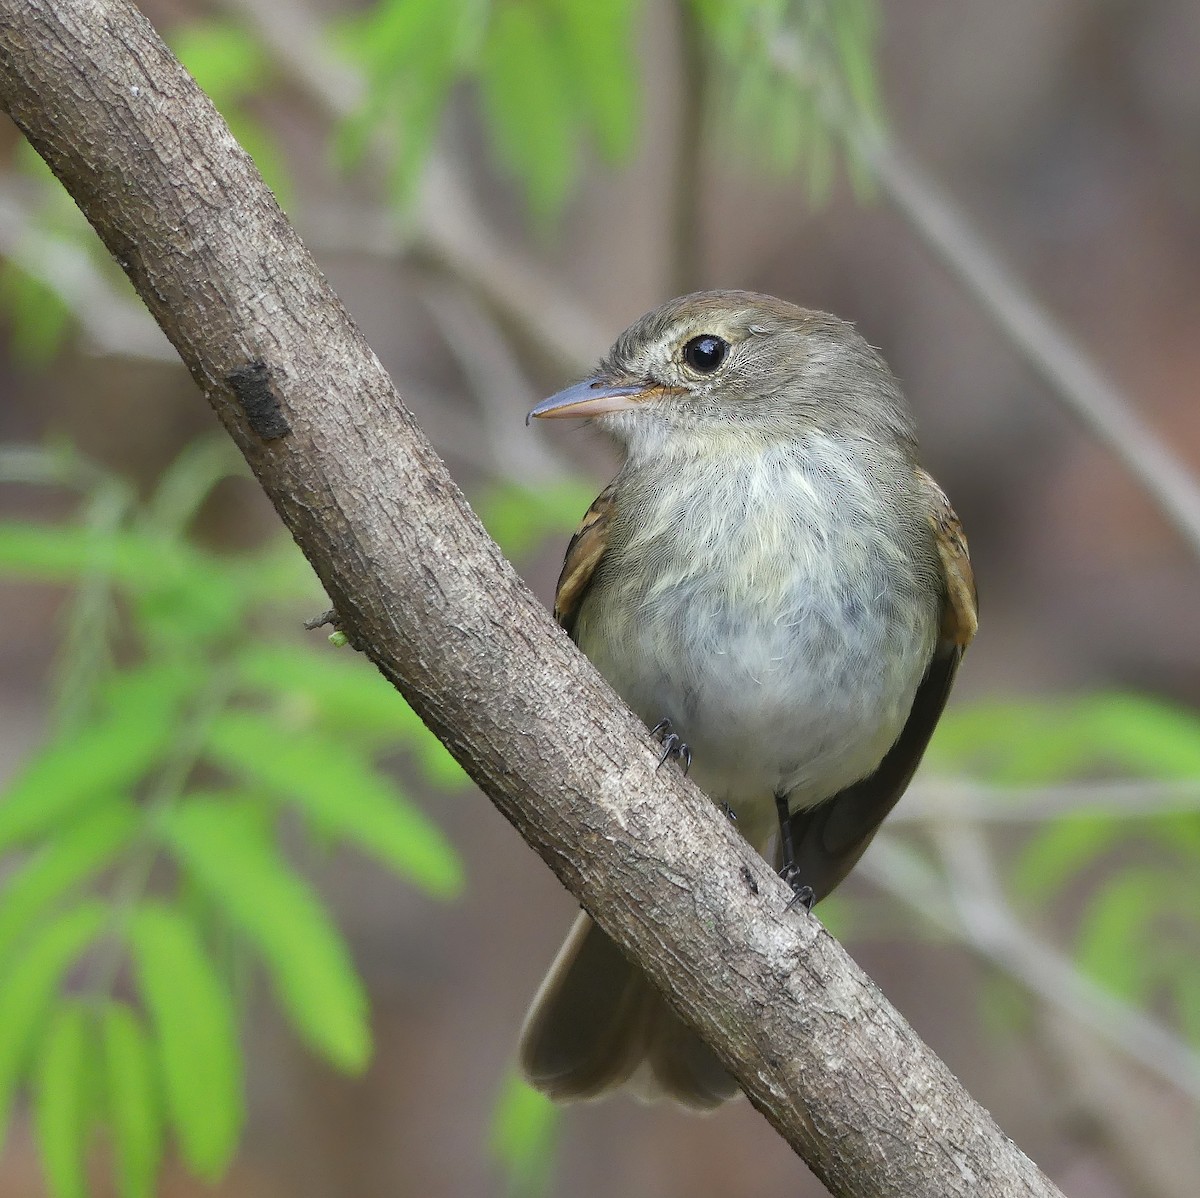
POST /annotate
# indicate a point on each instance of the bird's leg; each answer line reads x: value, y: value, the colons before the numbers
x: 789, y: 871
x: 672, y: 745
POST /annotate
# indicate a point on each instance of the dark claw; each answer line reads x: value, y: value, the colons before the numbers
x: 672, y: 745
x: 802, y: 895
x: 730, y: 814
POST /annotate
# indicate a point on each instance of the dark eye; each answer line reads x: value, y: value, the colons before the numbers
x: 705, y: 353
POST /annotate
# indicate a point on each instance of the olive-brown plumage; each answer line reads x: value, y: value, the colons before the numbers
x: 773, y: 573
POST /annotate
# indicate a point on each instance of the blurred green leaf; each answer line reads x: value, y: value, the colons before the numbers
x: 411, y: 52
x: 341, y: 693
x: 275, y: 574
x: 342, y: 795
x: 94, y: 765
x: 519, y: 518
x: 27, y: 985
x: 1114, y: 936
x: 1042, y: 742
x: 1057, y: 852
x: 855, y: 28
x: 69, y: 857
x: 1140, y: 734
x: 60, y: 1109
x: 524, y: 1137
x: 196, y: 1036
x: 1187, y: 999
x: 172, y: 583
x: 188, y: 481
x: 438, y: 765
x: 60, y: 553
x: 133, y: 1101
x: 527, y: 104
x: 39, y: 320
x: 243, y: 874
x: 796, y: 82
x: 231, y: 66
x: 595, y: 45
x: 225, y: 59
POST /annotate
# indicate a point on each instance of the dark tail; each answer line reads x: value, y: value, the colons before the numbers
x: 597, y: 1023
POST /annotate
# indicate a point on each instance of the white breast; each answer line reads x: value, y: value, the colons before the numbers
x: 780, y: 615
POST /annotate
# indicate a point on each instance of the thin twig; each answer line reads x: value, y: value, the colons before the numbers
x: 497, y: 382
x: 449, y: 230
x: 972, y: 910
x: 964, y: 799
x: 110, y: 320
x: 1038, y: 337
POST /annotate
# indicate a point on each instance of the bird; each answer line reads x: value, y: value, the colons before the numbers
x: 775, y: 585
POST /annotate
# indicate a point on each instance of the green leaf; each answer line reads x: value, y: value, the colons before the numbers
x: 27, y: 986
x: 188, y: 481
x: 855, y: 28
x: 595, y: 47
x: 39, y: 320
x: 1033, y: 742
x: 1187, y: 1002
x: 524, y: 1136
x: 193, y: 1021
x: 395, y: 32
x: 519, y: 518
x: 226, y: 60
x: 342, y: 795
x: 340, y: 693
x: 528, y: 106
x: 61, y: 553
x: 411, y: 52
x: 1142, y: 735
x: 1114, y: 941
x: 109, y: 755
x: 346, y: 696
x: 72, y: 856
x: 438, y: 765
x: 133, y: 1101
x: 1056, y: 854
x: 60, y: 1104
x: 243, y: 875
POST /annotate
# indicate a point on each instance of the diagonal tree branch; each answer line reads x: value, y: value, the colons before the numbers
x: 421, y: 588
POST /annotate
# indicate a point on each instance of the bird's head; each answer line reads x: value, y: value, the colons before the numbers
x: 716, y: 365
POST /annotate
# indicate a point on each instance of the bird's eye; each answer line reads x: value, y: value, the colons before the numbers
x: 705, y: 353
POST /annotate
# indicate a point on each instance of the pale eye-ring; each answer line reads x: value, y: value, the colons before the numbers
x: 705, y: 353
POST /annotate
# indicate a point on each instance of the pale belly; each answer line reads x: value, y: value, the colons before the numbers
x: 797, y: 684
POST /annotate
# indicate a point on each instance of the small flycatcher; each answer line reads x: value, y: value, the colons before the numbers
x: 776, y: 586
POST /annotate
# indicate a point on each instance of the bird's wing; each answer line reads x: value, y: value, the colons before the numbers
x: 830, y: 837
x: 584, y: 552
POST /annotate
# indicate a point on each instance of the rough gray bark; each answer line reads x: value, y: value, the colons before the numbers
x: 420, y: 587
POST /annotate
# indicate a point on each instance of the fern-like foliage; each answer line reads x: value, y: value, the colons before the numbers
x: 142, y: 865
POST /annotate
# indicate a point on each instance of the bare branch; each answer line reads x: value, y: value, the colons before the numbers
x: 1034, y: 333
x: 933, y: 799
x: 973, y: 910
x: 111, y: 322
x: 416, y: 581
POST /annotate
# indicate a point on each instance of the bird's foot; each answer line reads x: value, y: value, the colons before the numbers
x: 802, y: 894
x: 728, y: 812
x: 673, y: 746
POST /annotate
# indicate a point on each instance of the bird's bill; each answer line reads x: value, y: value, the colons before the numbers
x: 593, y: 397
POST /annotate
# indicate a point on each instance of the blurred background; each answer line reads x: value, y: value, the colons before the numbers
x: 495, y: 194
